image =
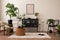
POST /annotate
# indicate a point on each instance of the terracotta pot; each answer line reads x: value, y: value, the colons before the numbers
x: 20, y: 31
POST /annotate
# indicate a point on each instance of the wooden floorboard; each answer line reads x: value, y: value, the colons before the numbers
x: 53, y: 37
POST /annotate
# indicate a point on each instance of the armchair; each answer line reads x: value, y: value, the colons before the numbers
x: 6, y: 29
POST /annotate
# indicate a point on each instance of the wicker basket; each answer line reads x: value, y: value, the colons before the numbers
x: 20, y: 31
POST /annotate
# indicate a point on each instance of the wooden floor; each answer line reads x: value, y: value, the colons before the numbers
x: 53, y: 37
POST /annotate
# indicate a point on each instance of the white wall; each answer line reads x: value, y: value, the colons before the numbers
x: 0, y: 9
x: 46, y: 8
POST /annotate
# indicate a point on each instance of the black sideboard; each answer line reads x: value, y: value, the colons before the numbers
x: 32, y: 23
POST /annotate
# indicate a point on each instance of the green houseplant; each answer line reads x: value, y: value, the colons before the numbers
x: 11, y: 11
x: 50, y: 21
x: 36, y: 14
x: 58, y: 28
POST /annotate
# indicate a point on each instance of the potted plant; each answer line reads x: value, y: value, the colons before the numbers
x: 50, y: 23
x: 58, y: 29
x: 11, y: 11
x: 19, y: 17
x: 36, y: 14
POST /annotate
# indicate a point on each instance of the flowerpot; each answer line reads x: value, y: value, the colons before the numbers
x: 20, y: 31
x: 10, y: 23
x: 50, y: 31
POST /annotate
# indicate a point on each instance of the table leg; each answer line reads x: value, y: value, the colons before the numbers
x: 4, y: 30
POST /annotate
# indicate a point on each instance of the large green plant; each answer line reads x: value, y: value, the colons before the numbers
x: 11, y: 10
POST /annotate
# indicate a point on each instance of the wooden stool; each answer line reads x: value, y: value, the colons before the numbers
x: 3, y: 30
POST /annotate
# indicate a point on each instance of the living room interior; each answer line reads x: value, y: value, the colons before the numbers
x: 38, y: 18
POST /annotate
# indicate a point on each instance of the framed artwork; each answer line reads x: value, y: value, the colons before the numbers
x: 29, y: 9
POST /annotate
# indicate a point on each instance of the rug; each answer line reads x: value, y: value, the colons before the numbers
x: 31, y: 35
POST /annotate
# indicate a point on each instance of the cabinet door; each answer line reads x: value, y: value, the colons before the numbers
x: 34, y: 22
x: 30, y: 22
x: 26, y: 23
